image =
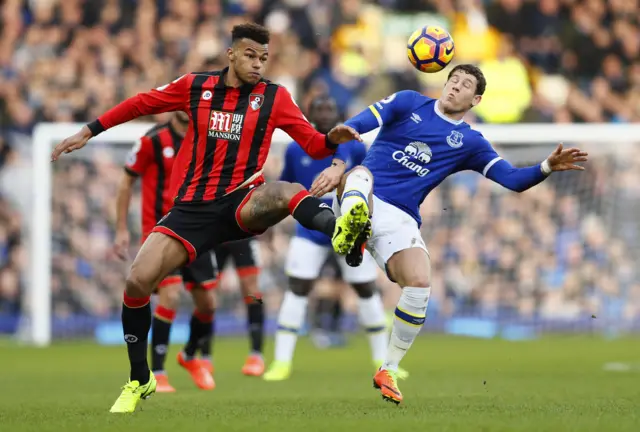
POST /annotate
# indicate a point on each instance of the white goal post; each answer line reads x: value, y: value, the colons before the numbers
x: 37, y: 309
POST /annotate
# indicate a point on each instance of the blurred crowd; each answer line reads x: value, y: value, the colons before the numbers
x: 545, y: 61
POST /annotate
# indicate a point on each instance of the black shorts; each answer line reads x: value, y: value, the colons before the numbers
x: 201, y: 227
x: 200, y: 272
x: 244, y: 254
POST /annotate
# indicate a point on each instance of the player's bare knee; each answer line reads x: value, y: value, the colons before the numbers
x: 300, y: 287
x: 169, y: 296
x: 365, y: 290
x: 137, y: 286
x: 415, y: 280
x: 204, y: 300
x: 249, y: 286
x: 289, y: 190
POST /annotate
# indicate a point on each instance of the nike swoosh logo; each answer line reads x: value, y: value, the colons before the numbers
x: 338, y: 233
x: 448, y: 50
x: 390, y: 389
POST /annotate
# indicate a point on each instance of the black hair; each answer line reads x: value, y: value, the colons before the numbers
x: 470, y: 69
x: 323, y: 98
x: 252, y: 31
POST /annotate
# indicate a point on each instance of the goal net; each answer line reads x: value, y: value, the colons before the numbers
x: 560, y: 257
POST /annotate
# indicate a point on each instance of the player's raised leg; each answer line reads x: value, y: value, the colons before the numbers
x: 272, y: 202
x: 159, y: 256
x: 163, y: 316
x: 355, y: 198
x: 411, y: 269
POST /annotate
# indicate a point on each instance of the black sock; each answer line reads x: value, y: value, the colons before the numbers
x: 206, y: 342
x: 199, y: 330
x: 136, y: 322
x: 255, y: 321
x: 160, y: 332
x: 336, y: 315
x: 312, y: 213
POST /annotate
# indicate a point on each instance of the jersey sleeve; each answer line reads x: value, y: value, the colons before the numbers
x: 288, y: 171
x: 486, y: 161
x: 358, y: 153
x: 383, y: 112
x: 171, y: 97
x: 140, y: 157
x: 288, y: 117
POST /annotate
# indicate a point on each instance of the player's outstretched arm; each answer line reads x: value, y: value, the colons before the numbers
x: 171, y: 97
x: 521, y: 179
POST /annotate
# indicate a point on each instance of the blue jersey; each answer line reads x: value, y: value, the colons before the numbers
x: 300, y: 168
x: 417, y: 147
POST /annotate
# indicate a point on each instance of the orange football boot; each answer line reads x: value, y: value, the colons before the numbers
x: 254, y: 366
x: 199, y: 374
x: 207, y: 364
x: 385, y: 381
x: 163, y: 384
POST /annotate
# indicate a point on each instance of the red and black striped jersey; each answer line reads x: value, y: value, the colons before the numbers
x: 152, y: 159
x: 229, y: 136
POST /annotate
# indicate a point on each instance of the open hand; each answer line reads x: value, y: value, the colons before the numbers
x: 342, y: 134
x: 328, y: 180
x: 121, y: 245
x: 565, y: 159
x: 74, y: 142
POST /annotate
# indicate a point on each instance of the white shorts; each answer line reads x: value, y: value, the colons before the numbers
x: 393, y: 230
x: 305, y: 260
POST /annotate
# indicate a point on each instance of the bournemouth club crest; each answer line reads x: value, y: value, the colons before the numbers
x: 255, y: 101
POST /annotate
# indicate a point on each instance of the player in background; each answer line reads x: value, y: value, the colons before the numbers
x: 221, y: 194
x: 152, y: 160
x: 245, y: 255
x: 309, y: 250
x: 421, y: 142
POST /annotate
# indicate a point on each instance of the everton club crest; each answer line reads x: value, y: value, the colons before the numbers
x: 255, y: 101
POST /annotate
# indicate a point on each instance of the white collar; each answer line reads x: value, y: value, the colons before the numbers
x: 444, y: 117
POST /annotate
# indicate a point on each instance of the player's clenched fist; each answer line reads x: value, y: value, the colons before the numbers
x: 565, y: 159
x: 74, y: 142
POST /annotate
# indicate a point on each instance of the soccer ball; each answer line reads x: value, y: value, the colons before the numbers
x: 430, y: 49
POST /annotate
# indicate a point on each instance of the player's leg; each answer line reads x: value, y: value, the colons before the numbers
x: 355, y: 198
x: 398, y: 247
x: 328, y: 294
x: 158, y: 257
x: 303, y: 264
x: 199, y: 278
x: 270, y: 203
x: 246, y: 258
x: 204, y: 298
x: 327, y: 330
x: 411, y: 269
x: 168, y: 295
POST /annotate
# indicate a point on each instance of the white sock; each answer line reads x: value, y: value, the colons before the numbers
x: 290, y: 320
x: 372, y: 318
x: 358, y: 185
x: 407, y: 323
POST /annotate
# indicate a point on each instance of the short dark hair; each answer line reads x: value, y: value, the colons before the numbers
x: 470, y: 69
x: 253, y: 31
x: 320, y: 99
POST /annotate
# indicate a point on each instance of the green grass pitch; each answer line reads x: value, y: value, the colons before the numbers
x: 457, y: 384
